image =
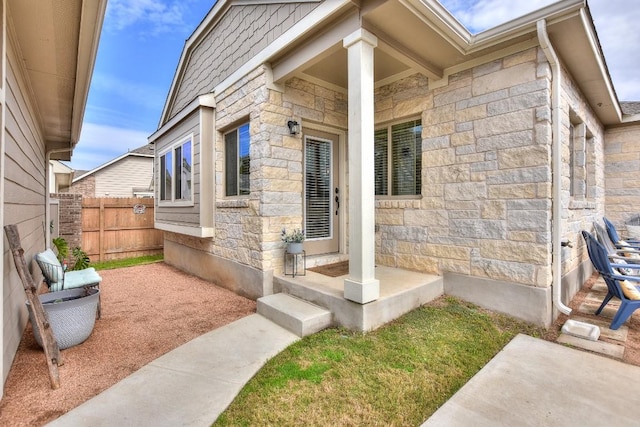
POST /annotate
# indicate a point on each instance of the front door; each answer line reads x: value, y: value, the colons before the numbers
x: 322, y: 197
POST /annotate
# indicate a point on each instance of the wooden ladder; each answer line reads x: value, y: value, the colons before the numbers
x: 49, y: 343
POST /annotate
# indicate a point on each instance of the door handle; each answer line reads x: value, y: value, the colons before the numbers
x: 337, y: 199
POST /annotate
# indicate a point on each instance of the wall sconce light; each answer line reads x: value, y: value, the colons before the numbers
x: 294, y: 127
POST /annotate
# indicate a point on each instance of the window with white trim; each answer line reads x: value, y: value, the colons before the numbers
x: 237, y: 161
x: 176, y: 172
x: 398, y: 159
x: 581, y: 159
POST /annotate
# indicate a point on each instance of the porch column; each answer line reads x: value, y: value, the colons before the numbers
x: 361, y: 286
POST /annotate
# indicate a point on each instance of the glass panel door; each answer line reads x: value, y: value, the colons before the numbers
x: 322, y: 196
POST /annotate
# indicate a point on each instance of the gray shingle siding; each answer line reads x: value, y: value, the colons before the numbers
x: 241, y: 33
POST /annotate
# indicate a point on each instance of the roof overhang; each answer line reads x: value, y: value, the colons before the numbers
x: 57, y: 42
x: 421, y: 36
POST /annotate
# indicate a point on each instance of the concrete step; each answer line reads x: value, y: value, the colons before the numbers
x: 298, y: 316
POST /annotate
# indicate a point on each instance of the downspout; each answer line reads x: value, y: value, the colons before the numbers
x: 47, y: 195
x: 556, y: 153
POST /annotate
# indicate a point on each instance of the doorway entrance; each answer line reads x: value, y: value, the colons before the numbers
x: 322, y: 196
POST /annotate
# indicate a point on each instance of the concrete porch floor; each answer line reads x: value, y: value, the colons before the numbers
x: 400, y: 292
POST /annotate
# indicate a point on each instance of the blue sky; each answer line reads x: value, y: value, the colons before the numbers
x: 142, y: 40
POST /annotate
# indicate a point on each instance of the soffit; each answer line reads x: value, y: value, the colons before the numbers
x: 405, y: 41
x: 423, y: 41
x: 57, y: 41
x: 580, y: 53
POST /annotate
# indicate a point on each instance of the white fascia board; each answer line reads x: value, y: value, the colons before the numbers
x: 185, y: 229
x: 206, y: 100
x: 302, y: 27
x: 438, y: 18
x: 526, y: 24
x: 597, y: 52
x: 91, y: 19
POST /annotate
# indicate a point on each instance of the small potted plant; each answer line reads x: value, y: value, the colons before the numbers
x: 293, y: 240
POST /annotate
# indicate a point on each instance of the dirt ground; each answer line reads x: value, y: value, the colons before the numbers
x: 147, y: 311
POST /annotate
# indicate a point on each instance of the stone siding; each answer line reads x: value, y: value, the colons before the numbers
x: 486, y: 173
x: 247, y: 228
x: 486, y: 203
x: 579, y: 213
x: 622, y: 171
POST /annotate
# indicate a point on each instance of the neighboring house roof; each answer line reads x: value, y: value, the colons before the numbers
x: 630, y: 108
x: 62, y: 175
x: 59, y: 77
x: 144, y: 151
x: 413, y: 36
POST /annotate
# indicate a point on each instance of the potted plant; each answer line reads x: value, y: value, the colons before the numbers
x: 293, y: 240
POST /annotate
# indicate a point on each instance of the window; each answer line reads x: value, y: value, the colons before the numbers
x: 581, y: 160
x: 398, y: 159
x: 237, y: 161
x: 176, y: 175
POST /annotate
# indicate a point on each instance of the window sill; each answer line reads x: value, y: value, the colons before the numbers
x: 188, y: 230
x: 582, y: 204
x: 409, y: 202
x: 233, y: 203
x: 170, y: 204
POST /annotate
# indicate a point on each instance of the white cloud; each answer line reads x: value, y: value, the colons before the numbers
x: 148, y: 17
x: 616, y: 25
x: 100, y: 144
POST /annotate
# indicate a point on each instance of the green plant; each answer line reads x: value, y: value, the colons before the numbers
x: 127, y: 262
x: 62, y: 247
x: 80, y: 258
x: 296, y: 236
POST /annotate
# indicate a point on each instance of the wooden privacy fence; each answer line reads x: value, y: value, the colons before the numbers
x: 115, y: 228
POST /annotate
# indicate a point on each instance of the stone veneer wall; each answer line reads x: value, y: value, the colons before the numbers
x: 622, y: 172
x: 579, y: 213
x: 485, y: 206
x: 486, y: 202
x: 485, y: 209
x: 247, y: 229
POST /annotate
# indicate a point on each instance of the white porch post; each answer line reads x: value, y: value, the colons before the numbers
x: 361, y: 286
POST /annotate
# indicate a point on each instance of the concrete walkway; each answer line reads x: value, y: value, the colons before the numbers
x: 533, y: 382
x: 189, y: 386
x: 529, y: 382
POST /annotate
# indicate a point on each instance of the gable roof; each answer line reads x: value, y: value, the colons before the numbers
x: 417, y: 36
x: 144, y: 151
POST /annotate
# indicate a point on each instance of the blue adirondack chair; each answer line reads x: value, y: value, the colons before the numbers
x: 616, y: 255
x: 614, y: 280
x: 615, y: 237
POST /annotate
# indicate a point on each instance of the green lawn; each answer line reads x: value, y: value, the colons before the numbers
x: 397, y: 375
x: 127, y: 262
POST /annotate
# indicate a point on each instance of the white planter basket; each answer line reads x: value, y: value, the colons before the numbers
x: 71, y: 314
